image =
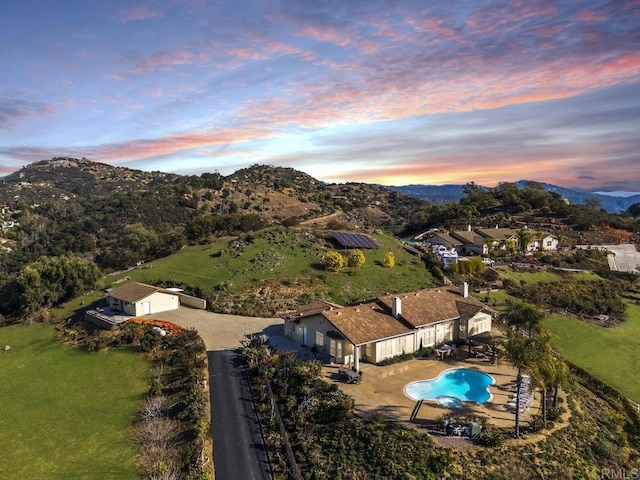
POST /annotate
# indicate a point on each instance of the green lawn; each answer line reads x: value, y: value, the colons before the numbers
x: 546, y: 276
x: 611, y: 354
x: 66, y: 413
x: 285, y: 254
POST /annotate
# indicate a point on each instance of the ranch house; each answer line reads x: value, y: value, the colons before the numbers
x: 389, y: 325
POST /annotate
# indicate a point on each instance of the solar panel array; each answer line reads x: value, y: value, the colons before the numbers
x: 354, y: 240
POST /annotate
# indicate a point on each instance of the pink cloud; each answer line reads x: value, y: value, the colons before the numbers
x: 435, y: 28
x: 325, y: 33
x: 16, y: 110
x: 143, y: 149
x: 246, y: 53
x: 591, y: 16
x: 164, y: 59
x: 137, y: 13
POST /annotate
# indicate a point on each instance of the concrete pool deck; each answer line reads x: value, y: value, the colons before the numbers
x: 382, y: 391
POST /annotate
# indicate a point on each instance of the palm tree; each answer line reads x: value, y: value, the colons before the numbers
x: 546, y: 365
x: 561, y: 375
x: 524, y: 238
x: 540, y: 234
x: 520, y: 352
x: 521, y: 315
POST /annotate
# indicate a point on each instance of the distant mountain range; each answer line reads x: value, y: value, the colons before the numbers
x: 614, y: 202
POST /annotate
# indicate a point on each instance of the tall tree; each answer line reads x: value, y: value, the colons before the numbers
x: 546, y: 364
x: 520, y: 352
x: 524, y: 239
x: 523, y: 316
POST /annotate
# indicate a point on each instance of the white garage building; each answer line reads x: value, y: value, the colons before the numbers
x: 138, y: 299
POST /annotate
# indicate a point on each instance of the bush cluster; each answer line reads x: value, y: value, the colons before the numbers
x: 327, y: 440
x: 578, y: 297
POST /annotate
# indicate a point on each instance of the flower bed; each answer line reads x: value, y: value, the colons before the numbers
x: 169, y: 327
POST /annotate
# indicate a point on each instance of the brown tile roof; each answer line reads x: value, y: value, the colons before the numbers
x: 446, y: 238
x: 498, y: 233
x: 467, y: 237
x: 434, y: 305
x: 313, y: 308
x: 467, y: 310
x: 132, y: 292
x: 373, y: 321
x: 365, y: 323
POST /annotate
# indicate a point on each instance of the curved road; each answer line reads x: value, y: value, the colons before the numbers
x: 239, y: 452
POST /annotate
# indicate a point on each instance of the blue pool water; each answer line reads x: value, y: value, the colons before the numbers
x: 452, y: 387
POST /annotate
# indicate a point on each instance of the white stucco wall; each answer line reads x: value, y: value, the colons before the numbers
x: 392, y: 347
x: 427, y: 335
x: 480, y: 323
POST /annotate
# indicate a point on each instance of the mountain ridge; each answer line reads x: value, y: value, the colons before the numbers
x: 454, y: 192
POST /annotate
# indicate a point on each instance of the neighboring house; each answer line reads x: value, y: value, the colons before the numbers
x: 497, y: 238
x: 389, y: 325
x: 480, y: 241
x: 540, y: 240
x: 138, y: 299
x: 447, y: 241
x: 545, y: 241
x: 471, y: 242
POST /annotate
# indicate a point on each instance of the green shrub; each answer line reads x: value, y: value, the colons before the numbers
x: 492, y: 437
x: 437, y: 273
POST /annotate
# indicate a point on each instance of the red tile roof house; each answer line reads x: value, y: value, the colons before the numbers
x: 389, y: 325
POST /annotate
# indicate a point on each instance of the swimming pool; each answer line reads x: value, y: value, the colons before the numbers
x: 453, y: 387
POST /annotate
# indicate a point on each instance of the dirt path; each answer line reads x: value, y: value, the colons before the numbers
x: 321, y: 220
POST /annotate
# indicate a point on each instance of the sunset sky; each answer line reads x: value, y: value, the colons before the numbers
x: 391, y: 92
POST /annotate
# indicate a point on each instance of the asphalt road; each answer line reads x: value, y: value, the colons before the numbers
x: 238, y: 450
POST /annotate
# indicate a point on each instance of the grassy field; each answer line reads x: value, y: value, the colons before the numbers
x: 283, y: 254
x: 546, y: 276
x: 66, y: 413
x: 611, y: 354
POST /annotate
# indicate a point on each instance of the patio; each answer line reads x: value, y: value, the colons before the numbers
x: 381, y: 390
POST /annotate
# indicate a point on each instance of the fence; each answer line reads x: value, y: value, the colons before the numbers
x: 291, y: 459
x: 193, y: 302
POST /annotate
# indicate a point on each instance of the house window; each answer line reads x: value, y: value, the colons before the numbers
x: 549, y: 243
x: 319, y: 339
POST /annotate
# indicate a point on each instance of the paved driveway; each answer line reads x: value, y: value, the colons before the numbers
x: 239, y: 452
x: 222, y: 332
x: 626, y: 258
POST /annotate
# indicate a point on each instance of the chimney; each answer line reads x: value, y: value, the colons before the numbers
x: 465, y: 290
x: 468, y: 227
x: 396, y: 307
